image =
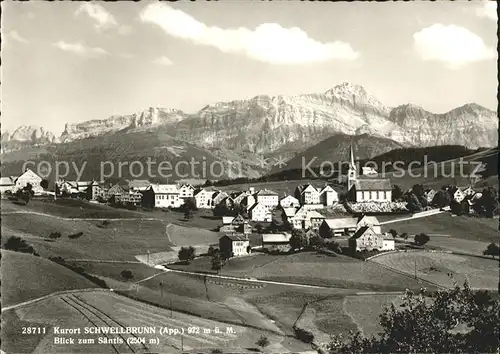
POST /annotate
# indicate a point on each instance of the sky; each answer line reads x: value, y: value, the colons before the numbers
x: 68, y: 62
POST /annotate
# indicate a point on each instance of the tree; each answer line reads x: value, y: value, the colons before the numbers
x: 418, y: 190
x: 218, y: 261
x: 404, y: 235
x: 492, y: 250
x: 263, y: 342
x: 17, y: 244
x: 421, y: 239
x: 458, y: 320
x: 259, y: 228
x: 44, y: 184
x: 26, y: 193
x: 456, y: 208
x: 441, y: 199
x: 127, y: 274
x: 188, y: 207
x: 397, y: 193
x: 413, y: 203
x: 393, y: 232
x: 488, y: 202
x: 298, y: 239
x: 56, y: 234
x: 334, y: 246
x: 316, y: 241
x: 186, y: 254
x: 221, y: 209
x: 208, y: 183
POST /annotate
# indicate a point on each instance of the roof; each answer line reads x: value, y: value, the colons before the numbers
x: 373, y: 184
x: 289, y: 211
x: 276, y: 238
x: 205, y: 191
x: 236, y: 237
x: 289, y: 197
x: 227, y: 219
x: 361, y: 231
x: 165, y: 188
x: 314, y: 214
x: 255, y: 206
x: 266, y: 192
x: 327, y: 188
x: 139, y: 183
x: 6, y: 181
x: 341, y: 223
x: 369, y: 220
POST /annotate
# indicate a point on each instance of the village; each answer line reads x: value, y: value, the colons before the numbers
x: 335, y: 217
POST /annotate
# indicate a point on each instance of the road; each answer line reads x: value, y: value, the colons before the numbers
x: 422, y: 214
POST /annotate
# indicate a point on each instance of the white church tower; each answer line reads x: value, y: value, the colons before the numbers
x: 351, y: 174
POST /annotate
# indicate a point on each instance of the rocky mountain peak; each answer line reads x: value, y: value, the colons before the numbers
x: 30, y: 134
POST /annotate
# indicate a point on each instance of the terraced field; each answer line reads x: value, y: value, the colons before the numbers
x: 443, y: 268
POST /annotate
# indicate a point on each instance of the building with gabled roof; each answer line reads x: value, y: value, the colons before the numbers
x: 337, y: 227
x: 328, y: 196
x: 289, y: 201
x: 366, y: 238
x: 7, y: 184
x: 260, y: 212
x: 371, y: 221
x: 307, y: 194
x: 234, y: 246
x: 29, y: 177
x: 267, y: 197
x: 164, y: 195
x: 204, y: 198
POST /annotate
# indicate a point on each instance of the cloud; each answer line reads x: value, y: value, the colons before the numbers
x: 81, y: 50
x: 453, y: 45
x: 126, y: 55
x: 268, y: 42
x: 15, y: 36
x: 103, y: 18
x: 163, y: 61
x: 488, y: 10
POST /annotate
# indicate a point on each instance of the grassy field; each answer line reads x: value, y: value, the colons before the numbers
x: 26, y: 277
x: 120, y: 240
x: 111, y: 309
x: 365, y: 310
x: 317, y: 269
x: 445, y: 268
x: 186, y: 236
x: 457, y: 244
x: 463, y: 227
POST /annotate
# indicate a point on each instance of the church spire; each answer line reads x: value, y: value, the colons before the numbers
x: 351, y: 174
x: 351, y: 159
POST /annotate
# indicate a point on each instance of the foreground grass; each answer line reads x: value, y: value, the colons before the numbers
x: 26, y: 277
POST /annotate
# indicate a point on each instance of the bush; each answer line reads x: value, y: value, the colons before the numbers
x: 404, y: 235
x: 17, y: 244
x: 393, y: 232
x: 303, y: 335
x: 55, y: 235
x: 127, y: 274
x: 421, y: 239
x: 263, y: 342
x: 78, y: 234
x: 187, y: 254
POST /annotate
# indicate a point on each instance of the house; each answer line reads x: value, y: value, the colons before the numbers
x: 366, y: 188
x: 117, y: 192
x: 132, y: 197
x: 227, y: 202
x: 305, y: 219
x: 287, y: 215
x: 204, y: 199
x: 368, y: 171
x: 267, y: 197
x: 164, y: 195
x: 227, y: 220
x: 276, y: 242
x: 7, y: 184
x: 139, y: 185
x: 369, y: 221
x: 234, y: 246
x: 218, y: 197
x: 238, y: 197
x: 429, y: 195
x: 237, y: 225
x: 307, y: 194
x: 456, y: 194
x: 289, y: 201
x: 260, y: 212
x: 29, y: 177
x: 247, y: 202
x: 469, y: 191
x: 366, y: 238
x: 186, y: 191
x: 337, y: 227
x: 328, y: 196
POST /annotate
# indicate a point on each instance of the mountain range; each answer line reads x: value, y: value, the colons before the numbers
x: 272, y: 126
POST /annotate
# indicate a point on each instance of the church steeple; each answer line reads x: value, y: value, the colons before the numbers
x: 351, y: 174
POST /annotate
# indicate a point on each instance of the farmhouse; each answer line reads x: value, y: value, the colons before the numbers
x: 366, y: 188
x: 7, y: 184
x: 204, y: 199
x: 260, y: 212
x: 247, y: 201
x: 429, y: 195
x: 267, y: 197
x: 279, y: 241
x: 234, y: 246
x: 29, y: 177
x: 307, y: 194
x: 238, y: 197
x: 328, y: 196
x: 228, y: 202
x: 132, y: 197
x: 237, y: 224
x: 218, y: 197
x: 337, y: 227
x: 369, y: 221
x: 367, y: 239
x: 186, y: 191
x: 289, y: 201
x: 116, y: 192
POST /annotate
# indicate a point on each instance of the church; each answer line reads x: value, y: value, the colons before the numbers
x: 366, y: 187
